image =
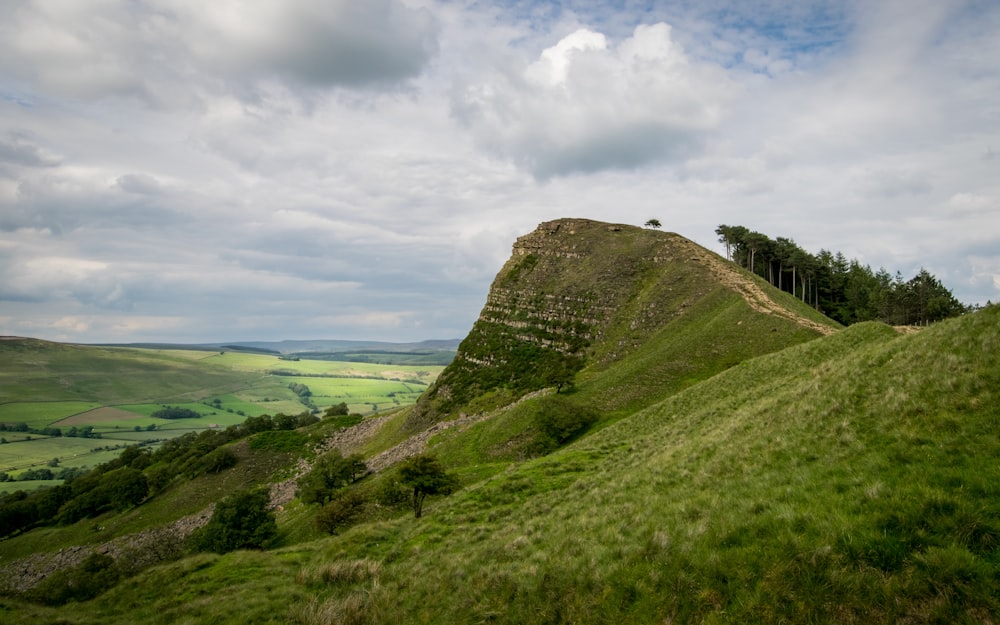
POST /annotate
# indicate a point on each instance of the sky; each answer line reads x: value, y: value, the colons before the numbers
x: 191, y: 171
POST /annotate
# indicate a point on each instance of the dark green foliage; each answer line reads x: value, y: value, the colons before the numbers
x: 174, y: 412
x: 35, y: 474
x: 558, y: 421
x: 345, y: 421
x: 340, y: 512
x: 136, y: 457
x: 252, y: 425
x: 97, y: 573
x: 846, y: 291
x: 279, y: 440
x: 240, y: 521
x: 329, y: 473
x: 392, y: 493
x: 125, y: 488
x: 120, y: 490
x: 218, y: 460
x: 517, y: 366
x: 425, y: 475
x: 17, y: 512
x: 23, y: 427
x: 336, y: 410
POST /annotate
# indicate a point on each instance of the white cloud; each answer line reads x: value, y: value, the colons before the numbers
x: 585, y: 106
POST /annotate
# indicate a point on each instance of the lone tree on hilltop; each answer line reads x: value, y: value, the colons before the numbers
x: 653, y: 223
x: 427, y: 477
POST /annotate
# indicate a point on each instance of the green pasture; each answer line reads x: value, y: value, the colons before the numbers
x: 47, y: 384
x: 209, y: 415
x: 264, y: 363
x: 71, y: 452
x: 42, y: 414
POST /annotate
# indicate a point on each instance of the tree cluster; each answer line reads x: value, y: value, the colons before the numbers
x: 175, y: 412
x: 330, y: 473
x: 844, y: 290
x: 86, y: 431
x: 134, y: 476
x: 240, y: 521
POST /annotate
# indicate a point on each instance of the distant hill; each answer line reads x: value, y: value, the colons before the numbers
x: 730, y: 456
x: 430, y: 352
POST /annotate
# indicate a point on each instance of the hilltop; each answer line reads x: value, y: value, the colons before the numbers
x: 580, y: 295
x: 743, y: 459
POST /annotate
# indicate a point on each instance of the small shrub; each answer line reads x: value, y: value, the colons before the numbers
x: 558, y: 421
x: 425, y: 476
x: 391, y: 493
x: 279, y: 440
x: 340, y: 512
x: 90, y: 578
x: 218, y: 460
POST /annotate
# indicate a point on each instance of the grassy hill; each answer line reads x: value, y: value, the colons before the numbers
x: 578, y: 297
x: 746, y: 467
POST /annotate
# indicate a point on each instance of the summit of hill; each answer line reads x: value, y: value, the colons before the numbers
x: 579, y: 296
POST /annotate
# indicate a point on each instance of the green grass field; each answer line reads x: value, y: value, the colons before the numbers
x: 41, y: 414
x: 116, y: 390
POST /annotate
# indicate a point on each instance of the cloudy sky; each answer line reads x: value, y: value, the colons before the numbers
x: 182, y: 170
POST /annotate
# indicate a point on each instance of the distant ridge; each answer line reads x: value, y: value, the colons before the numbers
x: 300, y: 346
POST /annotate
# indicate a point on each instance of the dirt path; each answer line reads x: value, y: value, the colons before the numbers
x: 729, y: 275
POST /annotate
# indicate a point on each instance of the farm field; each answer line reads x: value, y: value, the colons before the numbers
x: 40, y: 414
x: 101, y: 399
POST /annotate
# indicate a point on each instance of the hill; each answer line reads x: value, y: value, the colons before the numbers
x: 579, y: 296
x: 842, y: 476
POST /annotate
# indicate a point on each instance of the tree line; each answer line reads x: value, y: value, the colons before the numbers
x: 842, y: 289
x: 136, y: 475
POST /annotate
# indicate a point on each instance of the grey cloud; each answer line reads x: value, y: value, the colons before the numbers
x: 140, y: 184
x: 63, y: 204
x: 890, y: 183
x: 18, y: 149
x: 352, y: 43
x: 625, y: 147
x: 171, y: 53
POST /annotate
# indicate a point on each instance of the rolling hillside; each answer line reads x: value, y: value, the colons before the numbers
x: 749, y: 464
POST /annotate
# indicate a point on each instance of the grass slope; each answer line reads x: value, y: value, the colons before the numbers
x: 40, y: 371
x: 852, y: 478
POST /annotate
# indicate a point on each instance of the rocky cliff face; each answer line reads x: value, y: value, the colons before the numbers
x: 573, y: 291
x: 576, y: 293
